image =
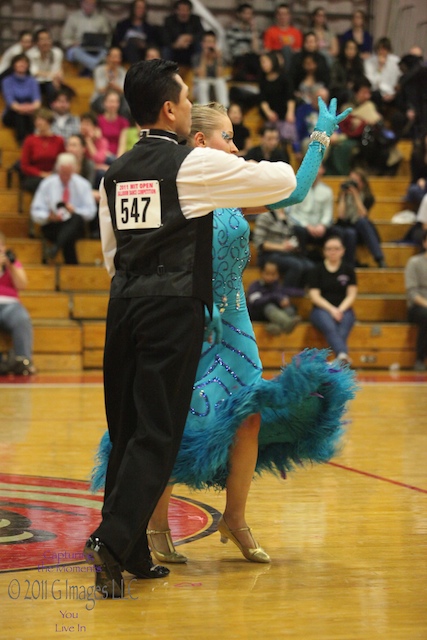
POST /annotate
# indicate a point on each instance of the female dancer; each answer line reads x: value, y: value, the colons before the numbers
x: 223, y: 445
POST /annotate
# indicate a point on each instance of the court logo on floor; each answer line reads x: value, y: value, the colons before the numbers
x: 44, y: 522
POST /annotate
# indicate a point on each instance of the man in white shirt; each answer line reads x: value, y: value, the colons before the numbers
x: 86, y: 20
x: 383, y: 72
x: 61, y: 204
x: 46, y: 63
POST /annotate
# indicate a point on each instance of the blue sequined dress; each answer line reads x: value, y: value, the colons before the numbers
x: 301, y: 409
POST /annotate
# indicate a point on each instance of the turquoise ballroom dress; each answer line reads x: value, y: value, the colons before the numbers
x: 302, y: 409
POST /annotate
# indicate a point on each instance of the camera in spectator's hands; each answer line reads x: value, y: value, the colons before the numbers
x: 10, y: 256
x: 348, y: 184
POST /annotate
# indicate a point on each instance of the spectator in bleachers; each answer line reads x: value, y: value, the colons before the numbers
x: 376, y: 146
x: 355, y: 199
x: 182, y: 34
x: 268, y: 300
x: 383, y: 72
x: 416, y: 293
x: 65, y: 123
x: 61, y: 204
x: 416, y: 232
x: 276, y: 96
x: 327, y: 41
x: 85, y: 167
x: 209, y: 72
x: 109, y: 76
x: 134, y: 34
x: 244, y: 44
x: 46, y: 64
x: 337, y: 158
x: 21, y: 93
x: 346, y: 69
x: 310, y: 80
x: 14, y: 318
x: 24, y: 43
x: 40, y: 151
x: 270, y: 147
x: 110, y: 122
x: 276, y: 241
x: 410, y: 117
x: 128, y: 138
x: 313, y: 217
x: 359, y: 34
x: 153, y: 53
x: 283, y: 36
x: 418, y: 187
x: 332, y: 289
x: 85, y: 35
x: 242, y: 135
x: 309, y: 46
x: 96, y: 145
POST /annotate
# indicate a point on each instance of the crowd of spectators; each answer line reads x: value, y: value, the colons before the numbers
x: 282, y: 71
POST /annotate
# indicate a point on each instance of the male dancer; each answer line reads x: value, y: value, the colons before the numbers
x: 156, y: 229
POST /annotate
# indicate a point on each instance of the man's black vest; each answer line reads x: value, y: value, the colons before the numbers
x: 173, y: 258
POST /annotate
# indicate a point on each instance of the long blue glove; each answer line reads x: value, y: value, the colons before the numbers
x: 327, y: 122
x: 213, y: 326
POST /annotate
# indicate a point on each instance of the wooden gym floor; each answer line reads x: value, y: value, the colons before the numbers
x: 348, y: 539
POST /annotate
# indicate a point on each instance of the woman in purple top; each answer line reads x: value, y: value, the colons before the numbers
x: 21, y: 93
x: 110, y: 122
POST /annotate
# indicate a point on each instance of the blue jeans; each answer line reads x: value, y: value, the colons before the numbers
x: 336, y: 333
x: 14, y: 319
x: 88, y: 60
x: 367, y: 234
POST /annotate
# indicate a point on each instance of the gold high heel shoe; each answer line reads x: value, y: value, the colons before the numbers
x: 256, y: 554
x: 173, y: 555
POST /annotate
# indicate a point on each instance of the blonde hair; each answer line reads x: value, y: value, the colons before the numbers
x: 205, y: 118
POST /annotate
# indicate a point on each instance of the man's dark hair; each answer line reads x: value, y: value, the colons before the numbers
x: 186, y: 2
x: 242, y: 7
x: 39, y: 32
x: 148, y: 85
x: 360, y: 83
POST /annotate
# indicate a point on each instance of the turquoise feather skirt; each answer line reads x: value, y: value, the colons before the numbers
x: 302, y: 421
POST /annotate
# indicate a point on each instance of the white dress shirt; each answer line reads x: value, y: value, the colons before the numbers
x: 209, y: 179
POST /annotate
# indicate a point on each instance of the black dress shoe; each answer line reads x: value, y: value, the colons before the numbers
x: 109, y: 581
x: 147, y: 569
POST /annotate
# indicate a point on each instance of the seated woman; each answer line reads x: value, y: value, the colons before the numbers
x: 134, y: 34
x: 96, y: 146
x: 110, y: 122
x: 21, y: 93
x: 333, y: 290
x: 353, y: 224
x: 40, y: 151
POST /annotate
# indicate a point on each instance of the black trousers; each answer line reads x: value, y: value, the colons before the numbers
x: 152, y: 349
x: 65, y: 235
x: 418, y: 315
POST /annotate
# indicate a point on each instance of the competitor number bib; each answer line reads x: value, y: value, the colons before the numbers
x: 138, y: 205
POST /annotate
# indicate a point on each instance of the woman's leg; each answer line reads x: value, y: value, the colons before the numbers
x: 243, y: 459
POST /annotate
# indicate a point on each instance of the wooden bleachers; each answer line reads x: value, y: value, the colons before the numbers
x: 68, y: 304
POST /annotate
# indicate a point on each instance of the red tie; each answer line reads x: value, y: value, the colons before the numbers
x: 66, y: 194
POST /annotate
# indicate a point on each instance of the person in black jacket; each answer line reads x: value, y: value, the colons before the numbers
x: 134, y: 34
x: 182, y: 34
